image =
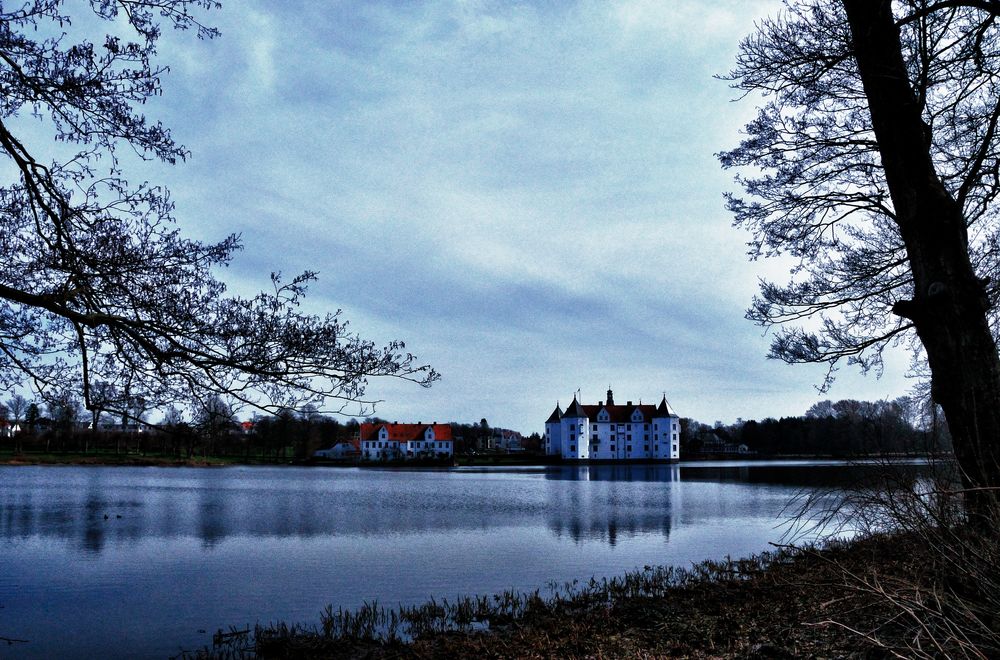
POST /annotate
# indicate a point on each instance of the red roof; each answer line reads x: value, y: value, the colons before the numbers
x: 405, y: 432
x: 617, y: 413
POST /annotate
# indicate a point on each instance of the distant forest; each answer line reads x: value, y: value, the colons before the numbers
x: 841, y: 428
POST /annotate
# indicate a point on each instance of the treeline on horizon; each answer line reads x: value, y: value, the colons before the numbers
x: 214, y: 430
x: 848, y: 427
x: 843, y: 428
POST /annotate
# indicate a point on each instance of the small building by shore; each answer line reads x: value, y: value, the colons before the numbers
x: 342, y: 451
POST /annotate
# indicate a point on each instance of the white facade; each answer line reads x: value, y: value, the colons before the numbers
x: 405, y: 441
x: 609, y: 432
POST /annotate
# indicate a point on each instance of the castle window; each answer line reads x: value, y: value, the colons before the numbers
x: 645, y: 427
x: 628, y: 448
x: 629, y: 427
x: 572, y: 447
x: 595, y: 427
x: 675, y: 447
x: 612, y: 447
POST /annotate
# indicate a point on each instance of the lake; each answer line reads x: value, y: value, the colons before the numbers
x: 146, y: 562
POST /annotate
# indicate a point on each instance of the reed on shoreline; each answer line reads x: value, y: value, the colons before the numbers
x: 782, y: 603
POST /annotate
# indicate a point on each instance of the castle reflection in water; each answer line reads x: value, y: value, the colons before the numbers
x: 92, y: 507
x: 609, y: 505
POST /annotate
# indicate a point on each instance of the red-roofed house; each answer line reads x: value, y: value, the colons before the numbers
x: 405, y: 441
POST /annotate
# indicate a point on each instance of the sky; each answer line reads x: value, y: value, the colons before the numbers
x: 526, y: 193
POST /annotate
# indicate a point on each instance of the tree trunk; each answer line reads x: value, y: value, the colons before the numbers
x: 949, y: 302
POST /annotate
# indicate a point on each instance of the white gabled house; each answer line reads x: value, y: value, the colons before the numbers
x: 342, y: 451
x: 381, y: 442
x: 610, y: 432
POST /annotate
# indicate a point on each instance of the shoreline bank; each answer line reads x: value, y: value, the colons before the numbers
x: 156, y: 460
x: 782, y: 604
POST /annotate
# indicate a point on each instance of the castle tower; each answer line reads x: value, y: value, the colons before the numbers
x: 553, y: 437
x: 574, y: 432
x: 666, y: 430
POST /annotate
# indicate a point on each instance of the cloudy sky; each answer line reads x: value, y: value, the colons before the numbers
x: 523, y: 192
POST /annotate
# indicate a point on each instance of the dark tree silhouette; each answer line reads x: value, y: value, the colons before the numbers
x: 97, y: 284
x: 876, y: 167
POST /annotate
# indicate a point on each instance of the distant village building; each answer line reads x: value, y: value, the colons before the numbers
x: 485, y: 442
x: 608, y: 431
x: 507, y: 440
x: 713, y: 444
x: 405, y: 441
x: 342, y: 451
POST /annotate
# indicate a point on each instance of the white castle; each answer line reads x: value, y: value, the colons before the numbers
x: 613, y: 432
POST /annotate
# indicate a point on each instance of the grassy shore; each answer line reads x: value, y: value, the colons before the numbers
x: 123, y: 459
x: 781, y: 604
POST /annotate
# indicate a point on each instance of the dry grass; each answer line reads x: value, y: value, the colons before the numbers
x: 782, y: 604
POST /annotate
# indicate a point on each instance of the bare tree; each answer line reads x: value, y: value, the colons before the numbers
x: 876, y: 165
x: 63, y: 410
x: 17, y: 406
x: 170, y: 426
x: 214, y: 420
x: 97, y: 283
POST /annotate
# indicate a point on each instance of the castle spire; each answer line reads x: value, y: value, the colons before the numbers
x: 611, y: 397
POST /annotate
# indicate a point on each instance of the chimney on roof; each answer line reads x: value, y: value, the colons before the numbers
x: 600, y: 403
x: 419, y: 422
x: 629, y: 403
x: 611, y: 397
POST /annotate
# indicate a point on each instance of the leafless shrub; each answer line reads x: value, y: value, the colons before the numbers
x: 947, y: 602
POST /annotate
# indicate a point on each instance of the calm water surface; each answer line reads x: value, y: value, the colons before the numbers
x: 145, y: 562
